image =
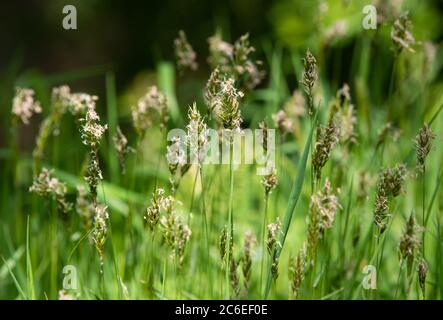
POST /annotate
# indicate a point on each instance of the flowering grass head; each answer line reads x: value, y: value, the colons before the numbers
x: 24, y: 105
x: 150, y: 108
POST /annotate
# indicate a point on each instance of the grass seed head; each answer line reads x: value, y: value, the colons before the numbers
x: 283, y: 123
x: 122, y: 148
x: 65, y: 295
x: 223, y: 245
x: 234, y: 279
x: 60, y: 99
x: 325, y: 205
x: 197, y: 138
x: 365, y: 181
x: 246, y: 259
x: 338, y: 30
x: 295, y: 107
x: 176, y: 234
x: 273, y: 234
x: 327, y: 139
x: 309, y: 78
x: 234, y: 61
x: 263, y: 126
x: 84, y: 207
x: 401, y: 34
x: 24, y: 104
x: 177, y: 160
x: 322, y: 210
x: 390, y: 184
x: 244, y: 67
x: 79, y: 103
x: 422, y: 270
x: 221, y: 53
x: 270, y: 181
x: 423, y: 145
x: 273, y: 244
x: 342, y: 113
x: 100, y: 230
x: 393, y: 179
x: 297, y: 272
x: 381, y: 213
x: 91, y: 130
x: 94, y: 174
x: 223, y: 100
x: 410, y: 241
x: 160, y: 203
x: 47, y: 186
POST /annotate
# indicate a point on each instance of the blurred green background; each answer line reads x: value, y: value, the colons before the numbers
x: 132, y: 38
x: 121, y: 47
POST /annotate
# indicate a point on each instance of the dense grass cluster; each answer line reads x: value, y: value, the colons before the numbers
x: 356, y: 183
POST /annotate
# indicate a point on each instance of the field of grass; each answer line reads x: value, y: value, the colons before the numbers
x: 91, y: 206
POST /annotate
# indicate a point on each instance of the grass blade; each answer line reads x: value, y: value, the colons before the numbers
x: 77, y: 244
x: 17, y: 284
x: 166, y: 83
x: 293, y: 199
x: 435, y: 115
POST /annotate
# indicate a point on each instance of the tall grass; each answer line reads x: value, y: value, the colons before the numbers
x: 154, y: 231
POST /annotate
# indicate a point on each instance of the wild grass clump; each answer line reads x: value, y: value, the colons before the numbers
x: 345, y: 192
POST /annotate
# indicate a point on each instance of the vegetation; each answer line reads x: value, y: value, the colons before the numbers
x: 356, y: 180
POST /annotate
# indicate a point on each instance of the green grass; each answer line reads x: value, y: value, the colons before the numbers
x: 35, y: 243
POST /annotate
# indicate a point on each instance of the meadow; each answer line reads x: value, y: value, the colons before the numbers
x: 102, y: 204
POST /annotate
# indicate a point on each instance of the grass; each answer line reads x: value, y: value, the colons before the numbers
x: 178, y: 255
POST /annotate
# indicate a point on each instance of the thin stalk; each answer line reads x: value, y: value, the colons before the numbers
x: 176, y: 280
x: 128, y: 223
x: 348, y: 209
x: 102, y: 279
x: 280, y: 162
x: 150, y: 274
x: 434, y: 195
x: 102, y: 262
x: 231, y: 196
x: 29, y: 272
x: 409, y: 282
x: 423, y: 210
x: 205, y: 223
x: 205, y: 218
x: 148, y: 255
x: 191, y: 206
x: 263, y: 240
x: 54, y: 250
x: 165, y: 270
x: 312, y: 153
x: 312, y: 273
x: 230, y: 211
x: 398, y: 278
x: 116, y: 269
